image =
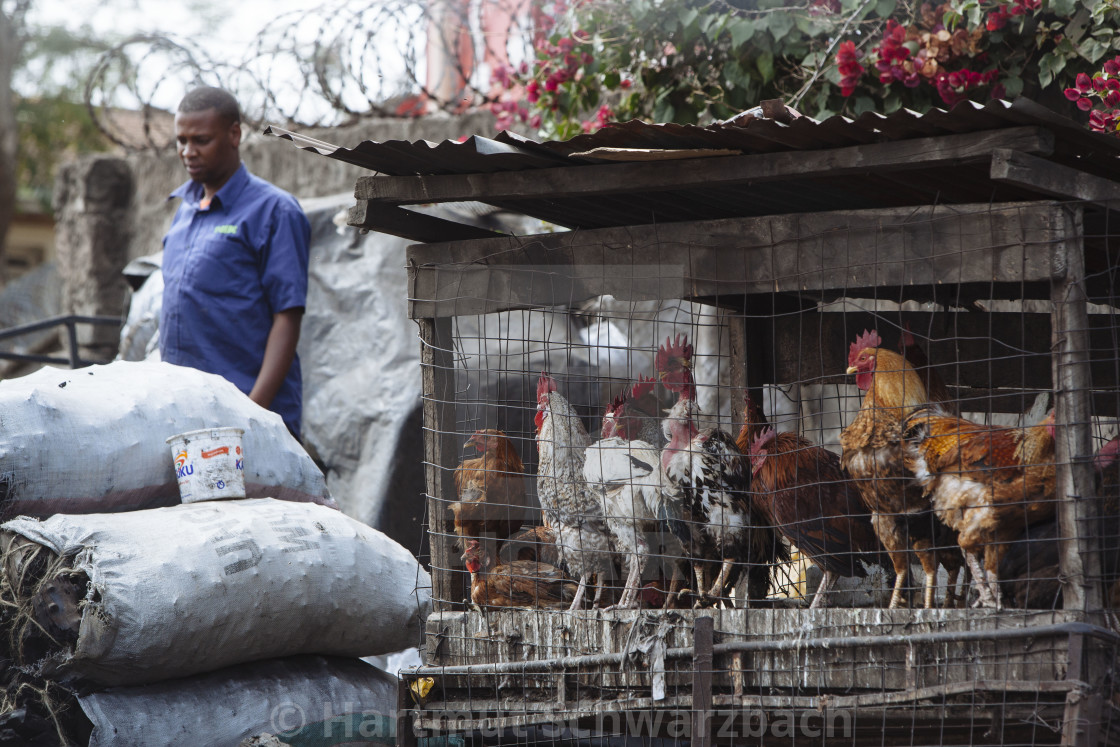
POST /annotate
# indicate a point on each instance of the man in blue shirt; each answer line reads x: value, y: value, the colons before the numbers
x: 234, y: 263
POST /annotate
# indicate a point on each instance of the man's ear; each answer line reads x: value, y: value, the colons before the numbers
x: 235, y: 134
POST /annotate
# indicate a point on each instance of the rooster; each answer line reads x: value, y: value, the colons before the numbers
x: 1030, y: 571
x: 805, y: 493
x: 491, y: 489
x: 633, y: 415
x: 571, y: 508
x: 521, y: 583
x: 988, y: 483
x: 873, y: 455
x: 909, y: 348
x: 707, y: 497
x: 626, y: 474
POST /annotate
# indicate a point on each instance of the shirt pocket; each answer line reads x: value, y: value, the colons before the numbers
x: 225, y: 267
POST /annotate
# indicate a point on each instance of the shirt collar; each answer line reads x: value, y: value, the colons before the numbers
x: 191, y: 191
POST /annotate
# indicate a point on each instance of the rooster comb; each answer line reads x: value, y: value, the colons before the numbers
x: 642, y: 386
x: 674, y: 348
x: 765, y: 436
x: 545, y: 385
x: 869, y: 339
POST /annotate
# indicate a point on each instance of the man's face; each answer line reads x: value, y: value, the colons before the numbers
x: 207, y: 146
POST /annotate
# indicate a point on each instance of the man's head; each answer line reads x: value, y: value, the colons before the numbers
x: 208, y: 133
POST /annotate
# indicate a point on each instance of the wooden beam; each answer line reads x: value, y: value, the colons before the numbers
x: 409, y: 224
x: 437, y: 372
x: 1052, y: 179
x: 702, y: 640
x: 607, y: 179
x: 1079, y: 557
x: 847, y: 252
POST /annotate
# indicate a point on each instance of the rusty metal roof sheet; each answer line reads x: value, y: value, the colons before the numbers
x: 511, y: 152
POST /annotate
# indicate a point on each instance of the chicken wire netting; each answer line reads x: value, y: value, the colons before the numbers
x: 835, y: 511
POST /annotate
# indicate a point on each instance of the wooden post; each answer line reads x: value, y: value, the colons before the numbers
x: 737, y: 330
x: 702, y: 639
x: 406, y: 737
x: 1073, y: 448
x: 440, y: 450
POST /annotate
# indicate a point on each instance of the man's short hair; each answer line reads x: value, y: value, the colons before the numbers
x: 206, y: 97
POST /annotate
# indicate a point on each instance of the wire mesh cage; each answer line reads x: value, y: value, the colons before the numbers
x: 827, y: 458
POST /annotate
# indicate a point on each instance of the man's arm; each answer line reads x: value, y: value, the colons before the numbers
x: 279, y: 352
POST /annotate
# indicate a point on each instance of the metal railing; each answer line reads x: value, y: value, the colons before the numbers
x: 69, y: 321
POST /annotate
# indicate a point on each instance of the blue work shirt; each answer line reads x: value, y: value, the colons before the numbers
x: 226, y: 270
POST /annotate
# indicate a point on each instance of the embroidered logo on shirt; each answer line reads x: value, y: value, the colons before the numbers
x: 225, y: 229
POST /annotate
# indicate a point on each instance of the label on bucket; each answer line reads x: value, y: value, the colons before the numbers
x: 209, y: 464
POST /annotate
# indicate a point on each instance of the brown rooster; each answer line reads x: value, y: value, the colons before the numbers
x: 988, y: 483
x: 521, y: 583
x: 491, y: 489
x: 873, y: 455
x: 809, y: 499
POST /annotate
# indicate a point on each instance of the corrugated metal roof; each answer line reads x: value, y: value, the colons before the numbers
x: 1074, y: 146
x: 511, y: 152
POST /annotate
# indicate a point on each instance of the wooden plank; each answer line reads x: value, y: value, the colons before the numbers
x: 474, y: 639
x: 410, y: 224
x: 440, y: 451
x: 702, y: 682
x: 1052, y: 179
x: 1079, y: 557
x: 870, y: 251
x: 608, y: 179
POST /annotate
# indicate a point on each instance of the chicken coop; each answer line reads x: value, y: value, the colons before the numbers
x: 743, y: 274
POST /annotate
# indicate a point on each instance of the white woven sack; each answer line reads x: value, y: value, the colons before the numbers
x: 195, y: 587
x: 92, y: 440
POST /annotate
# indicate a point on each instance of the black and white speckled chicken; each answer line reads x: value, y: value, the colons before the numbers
x: 708, y: 488
x: 572, y: 510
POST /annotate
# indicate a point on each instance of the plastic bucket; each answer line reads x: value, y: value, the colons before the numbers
x: 209, y: 464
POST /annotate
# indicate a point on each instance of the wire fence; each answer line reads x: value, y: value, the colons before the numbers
x: 894, y: 502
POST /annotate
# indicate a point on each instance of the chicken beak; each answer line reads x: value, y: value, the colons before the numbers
x: 852, y: 369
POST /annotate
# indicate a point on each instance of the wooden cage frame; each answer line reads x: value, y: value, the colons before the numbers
x: 1037, y: 246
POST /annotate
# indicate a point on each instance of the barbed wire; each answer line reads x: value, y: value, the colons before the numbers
x: 329, y: 65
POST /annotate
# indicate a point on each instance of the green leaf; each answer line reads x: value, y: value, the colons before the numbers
x: 688, y: 16
x: 1049, y: 67
x: 1092, y: 50
x: 1013, y: 86
x: 885, y: 8
x: 741, y: 30
x: 864, y: 104
x: 663, y: 111
x: 765, y: 64
x: 1063, y: 7
x: 780, y: 25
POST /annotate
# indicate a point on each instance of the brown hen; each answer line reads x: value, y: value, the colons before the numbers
x: 521, y: 583
x: 491, y: 489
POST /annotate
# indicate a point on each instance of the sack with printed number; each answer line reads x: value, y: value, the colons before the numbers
x: 93, y: 440
x: 148, y: 595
